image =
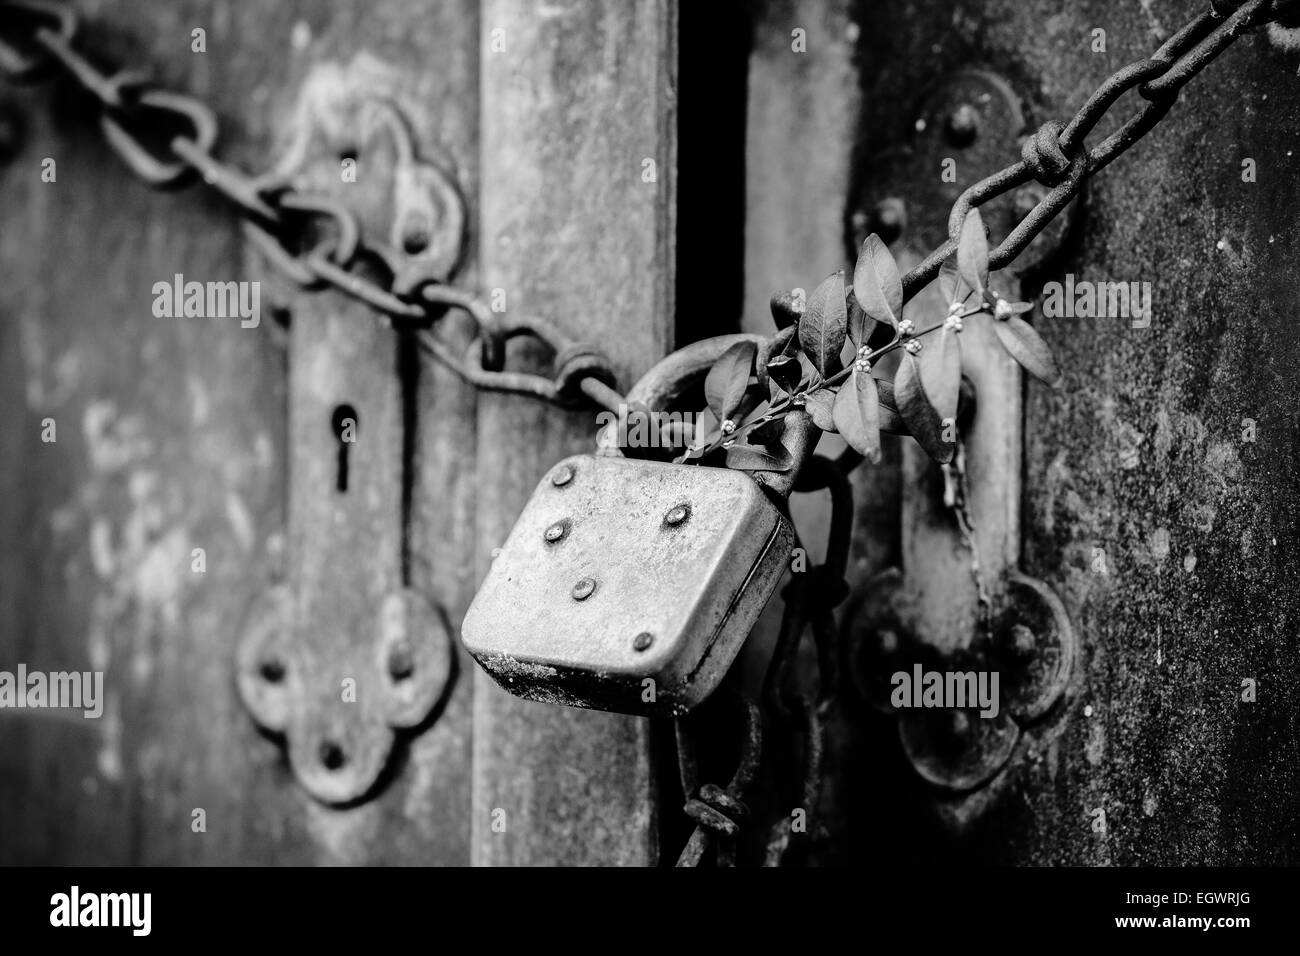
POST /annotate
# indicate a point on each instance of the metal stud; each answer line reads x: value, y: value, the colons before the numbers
x: 962, y: 125
x: 677, y: 515
x: 584, y: 589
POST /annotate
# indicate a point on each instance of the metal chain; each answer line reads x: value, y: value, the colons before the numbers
x: 718, y: 812
x: 1056, y: 156
x: 810, y: 601
x: 36, y: 35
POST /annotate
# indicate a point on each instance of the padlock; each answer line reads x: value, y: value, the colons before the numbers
x: 630, y: 585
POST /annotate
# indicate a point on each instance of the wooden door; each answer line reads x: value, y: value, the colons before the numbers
x: 644, y: 177
x: 175, y: 435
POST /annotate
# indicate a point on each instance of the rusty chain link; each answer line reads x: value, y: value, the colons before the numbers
x: 36, y: 35
x: 718, y: 812
x: 810, y: 601
x: 811, y: 598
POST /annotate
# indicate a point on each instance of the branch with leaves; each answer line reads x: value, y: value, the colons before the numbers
x: 750, y: 390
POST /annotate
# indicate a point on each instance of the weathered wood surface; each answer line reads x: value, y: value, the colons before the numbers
x: 578, y: 97
x: 172, y: 436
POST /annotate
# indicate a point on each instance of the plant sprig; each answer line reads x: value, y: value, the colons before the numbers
x: 809, y: 372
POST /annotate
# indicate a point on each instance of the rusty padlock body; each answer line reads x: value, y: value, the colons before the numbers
x: 631, y: 585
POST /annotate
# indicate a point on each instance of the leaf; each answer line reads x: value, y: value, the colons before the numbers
x: 727, y: 381
x: 705, y: 422
x: 876, y: 282
x: 676, y: 434
x: 784, y: 311
x: 890, y: 420
x: 861, y: 325
x: 791, y: 347
x: 950, y: 283
x: 941, y: 373
x: 973, y: 253
x: 749, y: 406
x: 822, y: 327
x: 1028, y: 348
x: 820, y: 405
x: 786, y: 371
x: 750, y: 458
x: 923, y: 422
x: 886, y: 392
x: 810, y: 373
x: 857, y: 415
x: 768, y: 433
x: 706, y: 431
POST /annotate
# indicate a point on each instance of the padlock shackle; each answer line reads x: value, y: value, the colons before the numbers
x: 664, y: 384
x: 674, y: 375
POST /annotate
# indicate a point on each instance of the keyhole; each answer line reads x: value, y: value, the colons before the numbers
x: 345, y: 423
x: 332, y: 756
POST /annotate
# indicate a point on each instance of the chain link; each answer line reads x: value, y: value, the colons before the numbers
x: 37, y: 36
x: 718, y: 812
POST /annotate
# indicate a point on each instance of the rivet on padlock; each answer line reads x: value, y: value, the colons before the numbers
x: 630, y: 585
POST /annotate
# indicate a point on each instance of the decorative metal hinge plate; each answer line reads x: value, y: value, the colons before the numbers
x: 346, y: 652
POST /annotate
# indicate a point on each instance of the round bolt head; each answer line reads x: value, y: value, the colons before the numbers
x: 642, y: 641
x: 557, y: 531
x: 1037, y: 645
x: 562, y: 476
x: 1023, y: 640
x: 887, y: 641
x: 959, y: 723
x: 889, y: 219
x: 962, y: 125
x: 957, y: 753
x: 584, y: 589
x: 677, y: 515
